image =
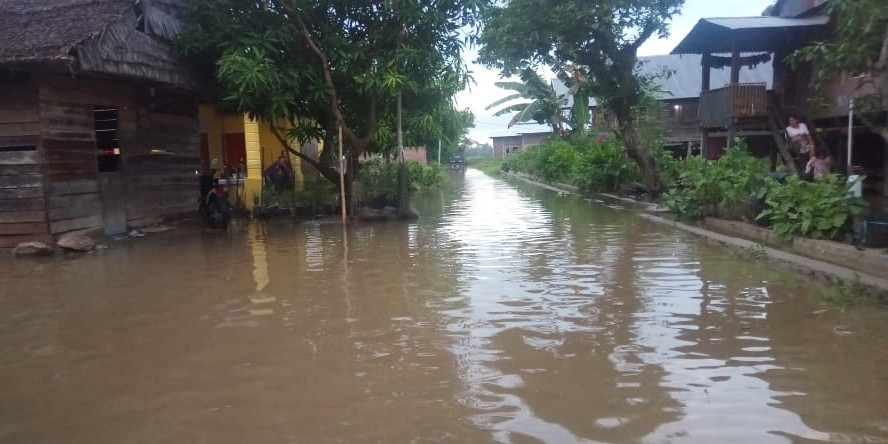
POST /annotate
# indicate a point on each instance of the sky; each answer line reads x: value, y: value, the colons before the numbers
x: 484, y: 92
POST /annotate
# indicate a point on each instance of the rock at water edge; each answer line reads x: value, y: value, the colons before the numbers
x: 76, y: 242
x: 32, y: 249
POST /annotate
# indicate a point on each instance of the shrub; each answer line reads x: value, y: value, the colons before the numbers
x: 379, y: 179
x: 723, y: 187
x: 818, y: 209
x: 603, y: 166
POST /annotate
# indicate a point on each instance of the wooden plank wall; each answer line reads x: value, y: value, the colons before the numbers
x: 69, y: 147
x: 157, y: 186
x: 161, y: 186
x: 22, y: 200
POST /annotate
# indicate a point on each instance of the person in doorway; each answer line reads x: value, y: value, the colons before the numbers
x: 818, y: 166
x: 800, y: 141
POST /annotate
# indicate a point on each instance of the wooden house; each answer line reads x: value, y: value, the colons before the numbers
x: 98, y: 117
x: 738, y: 108
x: 519, y: 139
x: 678, y: 79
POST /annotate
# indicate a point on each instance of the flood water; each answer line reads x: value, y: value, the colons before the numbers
x: 507, y: 314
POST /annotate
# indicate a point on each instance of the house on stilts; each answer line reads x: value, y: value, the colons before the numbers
x: 758, y: 113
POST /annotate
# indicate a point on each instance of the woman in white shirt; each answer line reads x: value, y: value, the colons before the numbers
x: 800, y: 142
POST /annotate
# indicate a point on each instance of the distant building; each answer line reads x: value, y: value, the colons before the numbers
x: 517, y: 140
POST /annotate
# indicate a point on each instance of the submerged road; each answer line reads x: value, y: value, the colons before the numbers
x: 507, y: 314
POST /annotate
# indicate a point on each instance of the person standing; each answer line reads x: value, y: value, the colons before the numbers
x: 818, y: 166
x: 800, y: 141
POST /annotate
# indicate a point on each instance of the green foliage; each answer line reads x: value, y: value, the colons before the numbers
x: 581, y: 161
x: 540, y: 102
x: 857, y: 46
x: 723, y: 187
x: 312, y: 63
x: 316, y: 196
x: 379, y: 179
x: 818, y: 209
x: 599, y: 39
x: 603, y: 167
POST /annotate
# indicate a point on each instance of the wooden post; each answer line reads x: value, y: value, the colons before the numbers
x: 735, y: 64
x: 706, y: 62
x: 735, y: 79
x: 341, y: 177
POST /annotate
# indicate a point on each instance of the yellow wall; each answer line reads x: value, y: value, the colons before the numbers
x: 262, y: 146
x: 215, y: 125
x: 271, y: 149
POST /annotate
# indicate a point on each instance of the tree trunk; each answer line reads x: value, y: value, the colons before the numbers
x: 883, y: 132
x: 642, y: 156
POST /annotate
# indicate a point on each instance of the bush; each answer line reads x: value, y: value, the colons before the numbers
x: 724, y: 187
x: 379, y: 179
x: 603, y: 166
x: 818, y: 209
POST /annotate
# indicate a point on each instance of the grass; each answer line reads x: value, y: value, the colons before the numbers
x: 489, y: 166
x: 846, y: 294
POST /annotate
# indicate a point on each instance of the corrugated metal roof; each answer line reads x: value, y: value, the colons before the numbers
x: 715, y: 35
x: 766, y: 22
x: 686, y: 76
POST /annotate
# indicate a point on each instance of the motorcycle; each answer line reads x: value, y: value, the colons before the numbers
x: 214, y: 205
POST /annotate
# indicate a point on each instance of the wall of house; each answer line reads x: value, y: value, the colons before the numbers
x: 69, y: 147
x: 500, y: 144
x: 161, y: 154
x: 262, y: 146
x: 534, y: 139
x: 22, y: 193
x: 271, y: 150
x: 158, y: 140
x: 682, y: 122
x: 416, y: 154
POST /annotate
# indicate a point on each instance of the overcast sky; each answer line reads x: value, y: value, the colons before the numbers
x: 478, y: 96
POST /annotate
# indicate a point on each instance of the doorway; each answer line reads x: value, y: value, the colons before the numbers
x: 112, y: 186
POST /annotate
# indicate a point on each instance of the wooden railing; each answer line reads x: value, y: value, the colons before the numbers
x: 735, y: 101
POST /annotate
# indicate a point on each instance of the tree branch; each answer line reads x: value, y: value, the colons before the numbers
x: 882, y: 63
x: 333, y: 101
x: 323, y: 169
x: 645, y: 34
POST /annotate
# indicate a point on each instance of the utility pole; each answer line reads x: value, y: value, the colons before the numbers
x: 342, y: 177
x: 439, y: 151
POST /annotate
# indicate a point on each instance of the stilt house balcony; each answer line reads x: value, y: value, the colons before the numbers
x: 737, y: 101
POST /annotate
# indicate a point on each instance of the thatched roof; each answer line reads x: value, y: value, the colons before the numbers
x: 47, y: 30
x: 122, y: 38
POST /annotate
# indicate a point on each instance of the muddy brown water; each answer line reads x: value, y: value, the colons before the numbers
x: 507, y: 314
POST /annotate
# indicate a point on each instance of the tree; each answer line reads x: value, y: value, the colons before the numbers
x: 858, y: 46
x: 316, y: 65
x: 601, y: 38
x: 540, y: 102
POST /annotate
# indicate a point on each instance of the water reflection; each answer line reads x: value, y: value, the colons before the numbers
x: 507, y: 314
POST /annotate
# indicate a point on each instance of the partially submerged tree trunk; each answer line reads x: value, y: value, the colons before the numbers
x: 642, y: 156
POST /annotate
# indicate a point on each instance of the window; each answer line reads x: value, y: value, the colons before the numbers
x: 689, y: 112
x: 108, y: 147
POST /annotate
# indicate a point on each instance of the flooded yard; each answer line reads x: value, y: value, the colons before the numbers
x: 507, y: 314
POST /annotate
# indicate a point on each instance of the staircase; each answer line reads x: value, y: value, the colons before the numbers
x: 776, y: 125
